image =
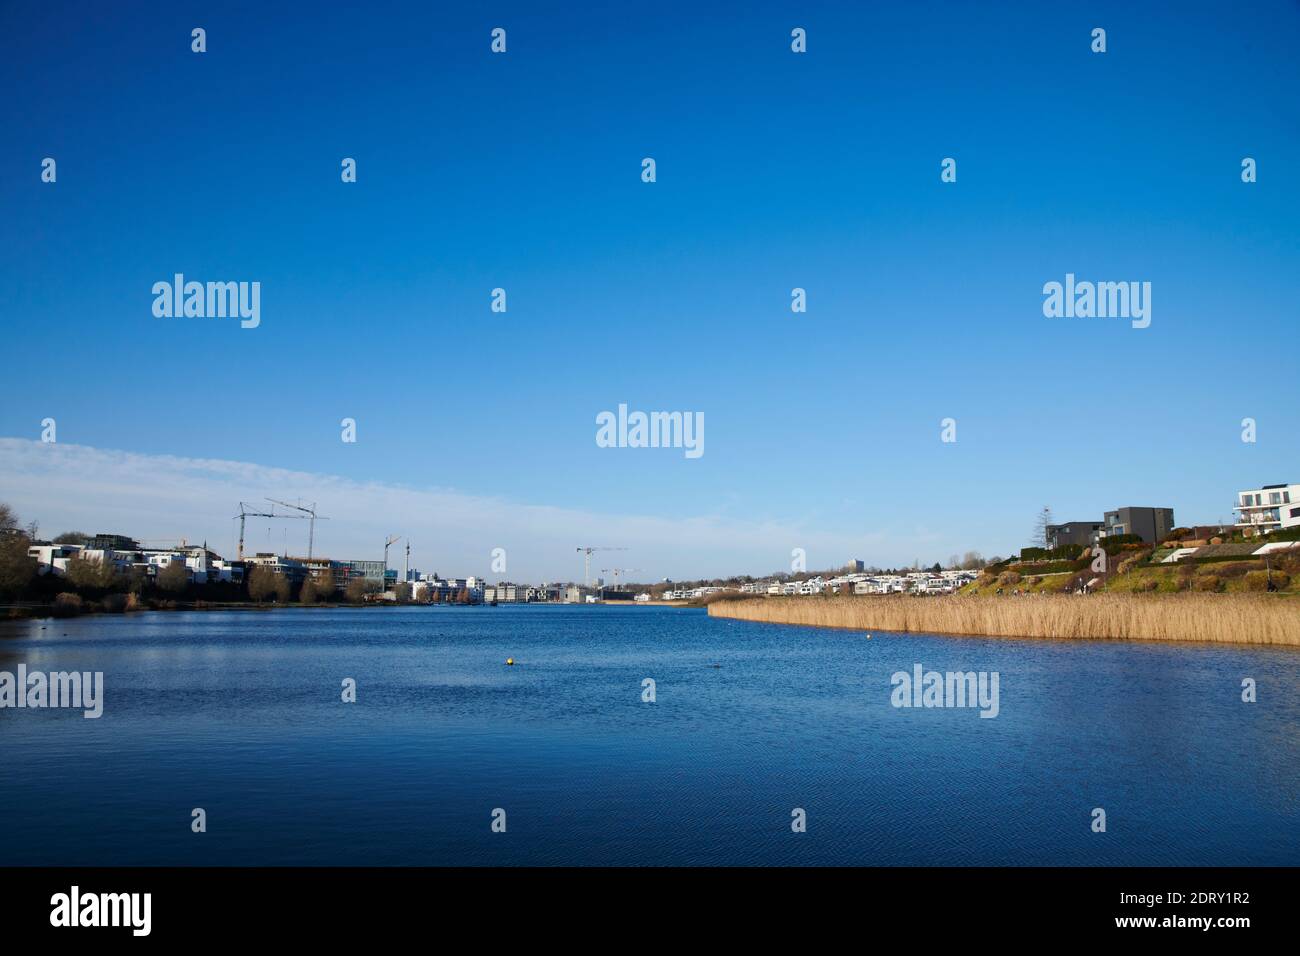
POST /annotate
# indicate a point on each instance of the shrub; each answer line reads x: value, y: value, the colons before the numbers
x: 358, y: 588
x: 1207, y: 582
x: 1009, y: 577
x: 174, y: 578
x: 67, y: 604
x: 1258, y: 580
x: 1054, y: 567
x: 1235, y: 569
x: 1067, y: 552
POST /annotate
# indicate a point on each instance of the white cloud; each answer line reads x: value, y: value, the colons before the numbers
x: 163, y: 498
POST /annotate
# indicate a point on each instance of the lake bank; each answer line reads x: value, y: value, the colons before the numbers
x: 1210, y: 618
x: 244, y: 714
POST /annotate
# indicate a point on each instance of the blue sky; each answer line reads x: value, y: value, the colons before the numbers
x: 775, y: 170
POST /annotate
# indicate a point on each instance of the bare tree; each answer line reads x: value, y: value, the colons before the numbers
x: 1044, y: 519
x: 358, y: 588
x: 17, y: 568
x: 265, y: 583
x: 173, y: 578
x: 92, y: 573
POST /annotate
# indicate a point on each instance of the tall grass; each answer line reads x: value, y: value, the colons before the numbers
x: 1218, y: 618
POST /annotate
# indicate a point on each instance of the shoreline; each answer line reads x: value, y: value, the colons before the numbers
x: 1243, y: 620
x: 34, y: 612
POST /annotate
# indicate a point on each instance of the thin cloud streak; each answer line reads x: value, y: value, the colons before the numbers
x: 160, y: 499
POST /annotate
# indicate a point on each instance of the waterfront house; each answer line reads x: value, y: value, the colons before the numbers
x: 1270, y: 508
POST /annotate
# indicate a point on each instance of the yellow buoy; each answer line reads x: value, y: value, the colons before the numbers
x: 510, y: 660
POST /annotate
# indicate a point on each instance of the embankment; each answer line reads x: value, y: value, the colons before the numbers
x: 1215, y: 618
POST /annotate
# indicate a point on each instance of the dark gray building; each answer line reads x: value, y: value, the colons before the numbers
x: 1073, y: 532
x: 1150, y: 524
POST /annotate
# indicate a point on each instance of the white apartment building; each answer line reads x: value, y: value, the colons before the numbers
x: 1269, y: 508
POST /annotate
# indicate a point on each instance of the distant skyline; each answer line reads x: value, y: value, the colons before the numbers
x: 522, y: 171
x: 162, y: 499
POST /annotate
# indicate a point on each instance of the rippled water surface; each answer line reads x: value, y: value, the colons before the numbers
x: 240, y: 713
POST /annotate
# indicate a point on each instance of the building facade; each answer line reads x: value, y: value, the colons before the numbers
x: 1149, y: 524
x: 1073, y: 532
x: 1270, y: 508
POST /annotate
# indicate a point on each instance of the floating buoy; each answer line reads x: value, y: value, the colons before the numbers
x: 510, y: 661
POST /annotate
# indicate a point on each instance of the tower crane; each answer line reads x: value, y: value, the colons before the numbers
x: 586, y: 562
x: 311, y: 528
x: 391, y: 540
x: 245, y: 513
x: 616, y: 572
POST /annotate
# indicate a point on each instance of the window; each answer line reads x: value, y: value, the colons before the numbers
x: 1274, y: 498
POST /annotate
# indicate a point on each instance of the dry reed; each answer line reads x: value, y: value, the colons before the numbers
x: 1215, y: 618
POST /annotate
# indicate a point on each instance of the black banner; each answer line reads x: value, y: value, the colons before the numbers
x: 338, y: 904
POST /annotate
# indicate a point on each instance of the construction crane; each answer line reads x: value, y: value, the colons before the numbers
x: 616, y: 572
x: 311, y: 528
x: 392, y: 539
x: 245, y: 513
x: 586, y: 562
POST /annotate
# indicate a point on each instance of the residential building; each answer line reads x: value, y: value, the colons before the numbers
x: 53, y: 557
x: 291, y: 568
x: 112, y: 542
x: 1072, y: 532
x: 1149, y: 524
x: 1269, y: 508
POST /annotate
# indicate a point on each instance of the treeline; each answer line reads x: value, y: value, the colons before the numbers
x: 89, y: 584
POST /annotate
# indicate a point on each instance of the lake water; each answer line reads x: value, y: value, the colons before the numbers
x: 240, y: 713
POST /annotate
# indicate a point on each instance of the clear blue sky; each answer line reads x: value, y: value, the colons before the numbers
x: 775, y: 170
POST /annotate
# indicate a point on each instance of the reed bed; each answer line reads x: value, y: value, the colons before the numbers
x: 1214, y: 618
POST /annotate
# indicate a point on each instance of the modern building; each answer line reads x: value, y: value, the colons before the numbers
x: 291, y: 568
x: 1073, y: 532
x: 1149, y: 524
x: 112, y: 542
x: 53, y: 557
x: 370, y: 570
x: 1269, y: 508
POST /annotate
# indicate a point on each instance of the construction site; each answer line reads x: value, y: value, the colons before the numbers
x: 288, y: 573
